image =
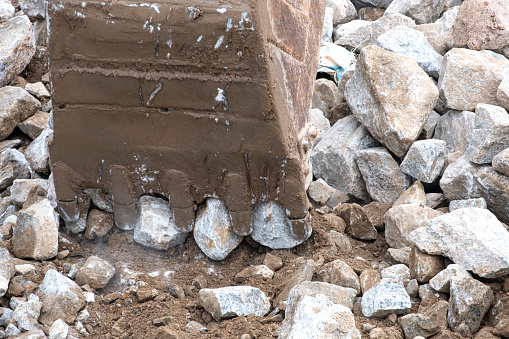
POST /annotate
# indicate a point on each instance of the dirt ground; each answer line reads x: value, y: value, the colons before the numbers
x: 139, y: 266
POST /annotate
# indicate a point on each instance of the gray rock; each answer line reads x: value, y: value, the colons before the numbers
x: 334, y: 159
x: 503, y: 92
x: 271, y: 227
x: 318, y: 317
x: 401, y: 220
x: 412, y: 288
x: 442, y: 281
x: 347, y: 28
x: 6, y: 270
x: 391, y: 96
x: 38, y: 90
x: 337, y: 242
x: 456, y: 204
x: 27, y: 313
x: 319, y: 191
x: 8, y: 144
x: 21, y: 188
x: 13, y: 165
x: 155, y: 226
x: 35, y: 235
x: 434, y: 200
x: 6, y: 10
x: 37, y: 152
x: 470, y: 237
x: 500, y: 162
x: 413, y: 195
x: 412, y: 43
x: 376, y: 211
x: 436, y: 32
x: 489, y: 135
x: 99, y: 223
x: 339, y: 273
x: 96, y: 272
x: 371, y: 3
x: 455, y: 127
x: 61, y: 298
x: 465, y: 180
x: 17, y: 46
x: 422, y: 11
x: 426, y: 324
x: 429, y: 127
x: 344, y: 11
x: 424, y: 160
x: 470, y: 300
x: 34, y: 125
x: 234, y: 301
x: 58, y: 330
x: 327, y: 25
x: 384, y: 180
x: 470, y: 77
x: 367, y: 34
x: 386, y: 297
x: 399, y: 272
x: 33, y: 8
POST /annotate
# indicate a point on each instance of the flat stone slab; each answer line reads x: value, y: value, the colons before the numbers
x: 471, y: 237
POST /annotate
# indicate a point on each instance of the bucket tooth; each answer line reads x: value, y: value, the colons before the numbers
x: 181, y: 200
x: 125, y: 216
x: 300, y: 228
x: 238, y: 200
x: 69, y: 210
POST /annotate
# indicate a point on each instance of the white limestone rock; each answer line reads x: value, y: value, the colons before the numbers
x: 34, y: 125
x: 21, y: 188
x: 489, y: 136
x: 381, y: 173
x: 6, y: 10
x: 13, y: 165
x: 38, y: 90
x: 6, y: 270
x: 318, y: 317
x: 334, y: 157
x: 424, y: 160
x: 412, y: 43
x: 213, y: 230
x: 27, y: 313
x: 442, y: 281
x: 271, y: 227
x: 61, y: 298
x: 234, y: 301
x: 455, y: 128
x: 468, y: 303
x: 391, y: 96
x: 386, y: 297
x: 155, y: 226
x: 401, y: 220
x: 503, y: 92
x: 37, y: 153
x: 470, y: 77
x: 35, y: 235
x: 422, y: 11
x: 399, y: 272
x: 500, y: 162
x: 367, y: 34
x: 17, y: 46
x: 470, y: 237
x: 58, y: 330
x: 478, y: 203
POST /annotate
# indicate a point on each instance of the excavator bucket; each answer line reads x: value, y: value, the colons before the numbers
x: 183, y: 100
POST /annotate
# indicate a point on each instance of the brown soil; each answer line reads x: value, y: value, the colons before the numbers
x: 182, y: 265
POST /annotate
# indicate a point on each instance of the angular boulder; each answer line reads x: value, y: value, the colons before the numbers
x: 391, y: 96
x: 424, y: 160
x: 386, y: 297
x: 470, y: 237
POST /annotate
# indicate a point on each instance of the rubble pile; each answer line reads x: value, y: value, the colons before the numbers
x: 411, y: 109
